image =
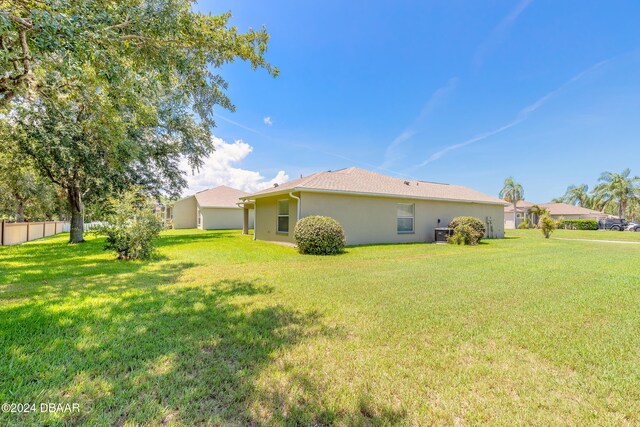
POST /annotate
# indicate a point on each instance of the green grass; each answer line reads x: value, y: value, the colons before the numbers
x: 220, y: 329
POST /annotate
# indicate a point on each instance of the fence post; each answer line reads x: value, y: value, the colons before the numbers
x: 2, y: 236
x: 27, y: 231
x: 44, y: 229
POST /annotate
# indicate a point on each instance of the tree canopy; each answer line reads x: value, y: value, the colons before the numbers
x: 107, y: 94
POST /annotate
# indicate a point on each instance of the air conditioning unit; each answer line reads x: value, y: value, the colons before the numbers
x: 442, y: 234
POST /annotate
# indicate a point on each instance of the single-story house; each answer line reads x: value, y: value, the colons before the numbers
x: 371, y: 207
x: 522, y: 212
x: 213, y: 209
x: 557, y: 211
x: 567, y: 211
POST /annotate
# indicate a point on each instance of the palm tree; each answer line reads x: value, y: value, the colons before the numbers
x: 578, y: 195
x: 536, y: 213
x: 617, y: 188
x: 512, y: 192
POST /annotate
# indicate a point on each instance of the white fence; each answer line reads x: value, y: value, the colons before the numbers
x: 14, y: 233
x: 87, y: 226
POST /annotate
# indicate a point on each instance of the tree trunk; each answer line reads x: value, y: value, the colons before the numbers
x: 77, y: 221
x: 20, y: 211
x: 515, y: 214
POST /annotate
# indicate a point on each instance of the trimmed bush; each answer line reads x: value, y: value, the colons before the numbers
x: 579, y: 224
x: 467, y: 230
x: 319, y: 235
x: 547, y: 225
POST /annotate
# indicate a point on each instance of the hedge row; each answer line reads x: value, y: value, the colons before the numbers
x: 579, y: 224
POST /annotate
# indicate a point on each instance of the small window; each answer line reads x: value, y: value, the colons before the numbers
x: 198, y: 215
x: 406, y: 216
x: 283, y: 216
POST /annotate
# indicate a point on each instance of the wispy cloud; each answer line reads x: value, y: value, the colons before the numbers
x: 391, y: 153
x: 267, y: 121
x: 499, y: 33
x: 240, y: 125
x: 519, y: 118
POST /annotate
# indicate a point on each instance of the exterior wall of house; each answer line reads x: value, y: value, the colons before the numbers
x: 368, y: 219
x: 184, y: 213
x: 223, y: 218
x: 266, y: 219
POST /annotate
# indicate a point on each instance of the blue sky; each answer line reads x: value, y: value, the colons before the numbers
x: 464, y: 92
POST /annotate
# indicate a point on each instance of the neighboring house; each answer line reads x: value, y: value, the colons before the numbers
x: 556, y: 211
x: 567, y: 211
x: 163, y: 212
x: 214, y: 209
x: 522, y: 211
x: 372, y: 208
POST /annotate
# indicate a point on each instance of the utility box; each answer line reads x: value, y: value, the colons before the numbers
x: 442, y: 234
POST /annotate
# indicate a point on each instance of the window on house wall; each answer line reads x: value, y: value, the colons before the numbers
x: 406, y: 217
x: 198, y: 215
x: 283, y: 216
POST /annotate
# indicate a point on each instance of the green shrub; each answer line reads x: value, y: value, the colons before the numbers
x: 131, y: 226
x: 547, y: 225
x: 319, y: 235
x: 579, y: 224
x: 524, y: 225
x: 467, y: 230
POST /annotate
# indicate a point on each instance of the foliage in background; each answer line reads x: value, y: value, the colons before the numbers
x: 616, y: 194
x: 23, y: 193
x: 467, y: 230
x: 105, y: 95
x: 132, y: 225
x: 525, y: 224
x: 578, y: 224
x: 547, y: 225
x: 535, y: 212
x: 619, y: 188
x: 512, y: 192
x: 319, y: 235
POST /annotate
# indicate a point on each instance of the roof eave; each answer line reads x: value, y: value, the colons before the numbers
x: 358, y: 193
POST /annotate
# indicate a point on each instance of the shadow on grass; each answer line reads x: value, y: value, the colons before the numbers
x: 131, y: 344
x: 52, y: 259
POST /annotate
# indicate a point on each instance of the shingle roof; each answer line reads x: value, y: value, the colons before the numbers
x: 220, y: 197
x: 567, y: 209
x: 522, y: 205
x: 554, y: 208
x: 356, y: 180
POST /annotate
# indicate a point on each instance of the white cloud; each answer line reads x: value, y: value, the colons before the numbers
x: 267, y: 121
x: 218, y: 169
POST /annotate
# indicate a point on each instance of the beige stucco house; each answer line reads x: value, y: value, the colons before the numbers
x: 371, y: 207
x: 213, y: 209
x: 557, y: 211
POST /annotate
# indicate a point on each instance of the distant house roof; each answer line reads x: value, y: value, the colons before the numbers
x: 521, y: 205
x: 557, y: 209
x: 219, y: 197
x: 360, y: 181
x: 567, y: 209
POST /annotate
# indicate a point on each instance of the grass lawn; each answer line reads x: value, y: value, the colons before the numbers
x: 220, y: 329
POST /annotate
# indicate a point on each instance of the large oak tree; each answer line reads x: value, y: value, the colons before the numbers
x: 105, y: 94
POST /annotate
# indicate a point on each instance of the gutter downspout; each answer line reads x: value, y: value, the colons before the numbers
x: 299, y: 207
